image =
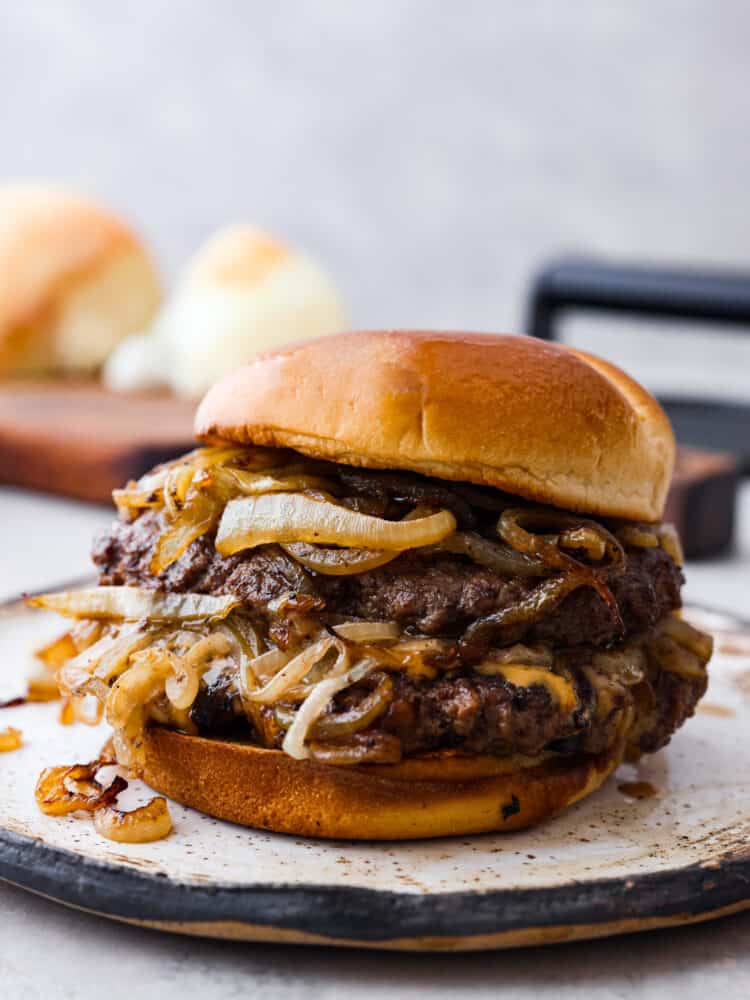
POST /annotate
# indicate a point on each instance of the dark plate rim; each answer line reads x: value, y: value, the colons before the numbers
x: 374, y: 916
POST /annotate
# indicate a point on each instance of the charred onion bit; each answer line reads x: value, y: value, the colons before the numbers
x: 67, y: 789
x: 14, y: 702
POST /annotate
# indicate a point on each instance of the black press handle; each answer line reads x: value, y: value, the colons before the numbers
x: 574, y: 283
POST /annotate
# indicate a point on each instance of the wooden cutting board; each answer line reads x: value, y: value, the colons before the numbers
x: 81, y: 440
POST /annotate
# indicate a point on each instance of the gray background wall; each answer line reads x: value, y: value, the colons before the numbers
x: 430, y: 152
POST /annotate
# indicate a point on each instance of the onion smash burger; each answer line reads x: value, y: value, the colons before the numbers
x: 415, y: 584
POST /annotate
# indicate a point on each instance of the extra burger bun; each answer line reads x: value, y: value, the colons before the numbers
x: 435, y: 796
x: 540, y: 420
x: 243, y: 292
x: 74, y: 281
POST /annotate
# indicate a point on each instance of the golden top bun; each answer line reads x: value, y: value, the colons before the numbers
x: 543, y: 421
x: 436, y: 796
x: 73, y: 281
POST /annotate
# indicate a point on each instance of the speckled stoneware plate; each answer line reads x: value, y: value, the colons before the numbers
x: 611, y: 864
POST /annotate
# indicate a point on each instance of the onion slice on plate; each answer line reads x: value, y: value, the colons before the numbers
x: 67, y: 789
x: 292, y: 517
x: 138, y: 826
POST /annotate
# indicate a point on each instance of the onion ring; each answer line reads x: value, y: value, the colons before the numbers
x: 292, y: 517
x: 138, y: 826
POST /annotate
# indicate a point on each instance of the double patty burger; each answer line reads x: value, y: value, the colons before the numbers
x: 415, y: 584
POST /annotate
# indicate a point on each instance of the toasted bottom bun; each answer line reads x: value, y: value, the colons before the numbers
x: 436, y: 795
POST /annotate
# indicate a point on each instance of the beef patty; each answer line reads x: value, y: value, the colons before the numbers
x: 472, y: 713
x: 435, y: 594
x: 441, y: 594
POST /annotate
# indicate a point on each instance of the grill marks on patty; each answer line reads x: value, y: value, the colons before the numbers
x: 431, y: 594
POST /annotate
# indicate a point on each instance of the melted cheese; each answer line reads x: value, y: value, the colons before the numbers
x: 559, y: 688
